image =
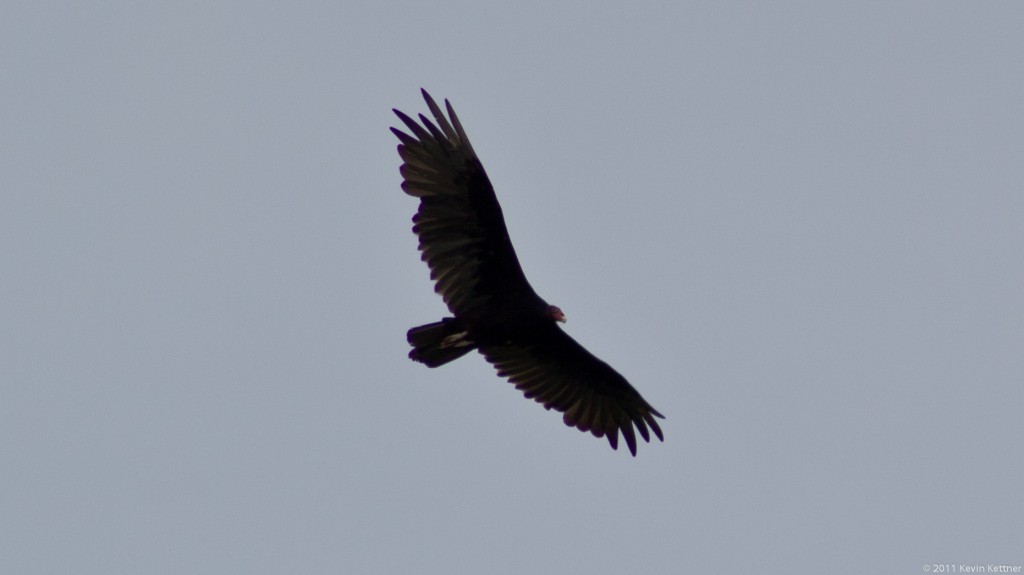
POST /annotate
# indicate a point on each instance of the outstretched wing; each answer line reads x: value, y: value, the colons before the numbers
x: 556, y: 371
x: 459, y: 222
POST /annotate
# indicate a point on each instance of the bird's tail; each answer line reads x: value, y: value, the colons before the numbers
x: 438, y: 343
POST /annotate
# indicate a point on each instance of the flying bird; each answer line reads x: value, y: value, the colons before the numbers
x: 463, y: 239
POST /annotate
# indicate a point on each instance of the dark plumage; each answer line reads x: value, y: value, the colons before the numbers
x: 465, y: 243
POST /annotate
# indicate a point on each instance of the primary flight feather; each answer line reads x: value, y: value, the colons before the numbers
x: 463, y: 239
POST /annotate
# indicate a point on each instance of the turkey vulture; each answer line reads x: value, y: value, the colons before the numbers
x: 465, y: 243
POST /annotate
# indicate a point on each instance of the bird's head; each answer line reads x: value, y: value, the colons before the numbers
x: 555, y: 313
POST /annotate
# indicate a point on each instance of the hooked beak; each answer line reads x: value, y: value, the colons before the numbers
x: 555, y: 313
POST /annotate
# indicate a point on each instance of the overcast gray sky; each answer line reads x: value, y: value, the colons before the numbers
x: 796, y: 228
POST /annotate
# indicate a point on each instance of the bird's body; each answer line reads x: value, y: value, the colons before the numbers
x: 464, y: 240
